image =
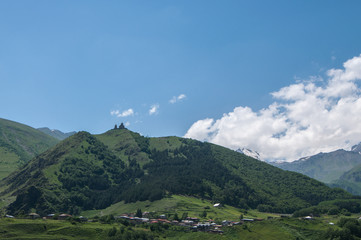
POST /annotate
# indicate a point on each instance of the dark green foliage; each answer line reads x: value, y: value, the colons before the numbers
x: 142, y: 142
x: 112, y: 232
x: 345, y: 207
x: 139, y: 213
x: 186, y: 171
x: 342, y: 234
x: 351, y: 229
x: 203, y: 214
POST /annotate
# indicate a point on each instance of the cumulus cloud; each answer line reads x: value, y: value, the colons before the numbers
x: 154, y: 109
x: 126, y: 113
x: 308, y: 117
x: 177, y: 98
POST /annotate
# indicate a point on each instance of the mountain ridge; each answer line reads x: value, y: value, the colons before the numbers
x: 88, y: 171
x: 56, y: 133
x: 325, y: 167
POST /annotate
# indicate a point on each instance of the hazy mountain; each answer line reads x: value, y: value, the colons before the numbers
x: 351, y: 180
x: 325, y: 167
x: 356, y: 148
x: 20, y: 143
x: 56, y: 133
x: 92, y: 172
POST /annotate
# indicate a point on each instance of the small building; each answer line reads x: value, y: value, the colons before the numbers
x: 217, y: 205
x: 204, y: 226
x: 226, y: 223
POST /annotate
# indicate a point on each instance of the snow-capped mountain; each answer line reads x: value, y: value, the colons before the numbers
x: 250, y: 153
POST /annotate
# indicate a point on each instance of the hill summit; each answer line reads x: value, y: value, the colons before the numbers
x: 87, y: 171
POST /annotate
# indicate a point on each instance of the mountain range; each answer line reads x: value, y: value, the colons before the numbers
x: 88, y: 171
x: 339, y: 168
x: 56, y: 133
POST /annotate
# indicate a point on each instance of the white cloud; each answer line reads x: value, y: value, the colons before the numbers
x: 126, y: 113
x: 177, y: 99
x: 306, y: 118
x: 154, y: 109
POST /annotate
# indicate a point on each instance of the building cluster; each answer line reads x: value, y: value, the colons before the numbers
x: 192, y: 223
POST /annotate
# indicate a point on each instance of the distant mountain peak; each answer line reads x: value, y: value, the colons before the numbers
x: 250, y: 153
x: 356, y: 148
x: 56, y: 133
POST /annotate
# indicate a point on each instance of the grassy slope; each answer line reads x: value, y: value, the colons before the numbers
x: 50, y: 229
x: 271, y: 229
x: 19, y: 143
x: 123, y: 144
x: 179, y: 204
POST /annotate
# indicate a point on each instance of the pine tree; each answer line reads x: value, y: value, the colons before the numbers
x: 139, y: 213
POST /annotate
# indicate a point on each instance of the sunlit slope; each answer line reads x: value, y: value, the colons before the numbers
x: 20, y: 143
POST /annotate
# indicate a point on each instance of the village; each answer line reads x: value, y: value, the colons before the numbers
x: 192, y: 223
x: 151, y: 218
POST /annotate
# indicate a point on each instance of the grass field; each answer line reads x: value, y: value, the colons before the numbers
x: 277, y: 229
x: 180, y: 204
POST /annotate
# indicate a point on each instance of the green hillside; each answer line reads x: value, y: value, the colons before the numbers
x: 20, y: 143
x: 86, y: 172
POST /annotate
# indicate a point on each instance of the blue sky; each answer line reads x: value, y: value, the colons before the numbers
x: 68, y: 65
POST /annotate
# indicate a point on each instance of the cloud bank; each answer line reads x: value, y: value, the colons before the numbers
x: 126, y: 113
x: 308, y: 117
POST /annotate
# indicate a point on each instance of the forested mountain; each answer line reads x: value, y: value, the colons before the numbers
x: 325, y: 167
x: 87, y: 171
x: 56, y: 133
x: 20, y: 143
